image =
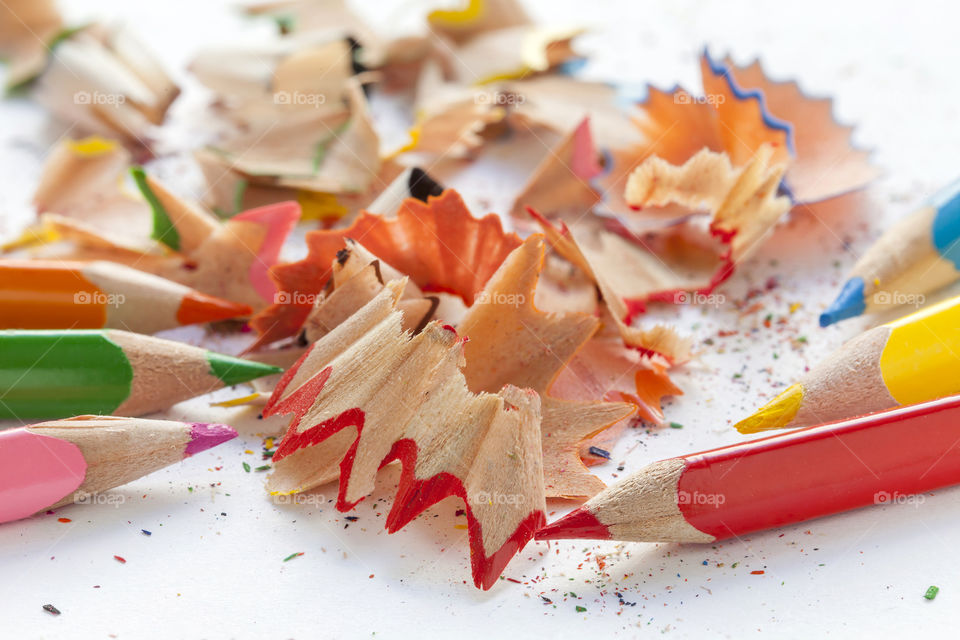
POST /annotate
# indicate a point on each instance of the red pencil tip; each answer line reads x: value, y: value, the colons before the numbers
x: 205, y: 436
x: 197, y: 308
x: 579, y: 523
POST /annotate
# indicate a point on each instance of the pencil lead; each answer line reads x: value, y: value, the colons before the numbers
x: 776, y: 414
x: 849, y: 303
x: 205, y: 436
x: 579, y: 523
x: 197, y: 308
x: 233, y: 371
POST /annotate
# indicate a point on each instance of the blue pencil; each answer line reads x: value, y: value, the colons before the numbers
x: 917, y: 255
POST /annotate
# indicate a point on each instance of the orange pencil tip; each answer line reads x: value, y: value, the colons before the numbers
x: 577, y: 524
x: 196, y: 308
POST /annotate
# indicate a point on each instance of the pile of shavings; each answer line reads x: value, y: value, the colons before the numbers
x: 492, y: 365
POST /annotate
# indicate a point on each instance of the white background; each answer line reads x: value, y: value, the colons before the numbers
x: 213, y: 566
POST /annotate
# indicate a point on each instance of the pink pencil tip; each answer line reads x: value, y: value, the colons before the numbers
x: 205, y: 436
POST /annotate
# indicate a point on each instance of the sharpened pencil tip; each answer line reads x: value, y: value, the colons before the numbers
x: 205, y: 436
x: 776, y: 414
x: 849, y: 303
x: 579, y: 523
x: 233, y: 371
x: 197, y: 308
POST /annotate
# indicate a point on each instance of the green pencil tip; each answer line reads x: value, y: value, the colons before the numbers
x: 233, y: 371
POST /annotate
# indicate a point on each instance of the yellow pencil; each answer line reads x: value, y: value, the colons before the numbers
x: 910, y: 360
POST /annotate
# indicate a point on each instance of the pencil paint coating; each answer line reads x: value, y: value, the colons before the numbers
x: 812, y: 472
x: 34, y: 296
x: 920, y: 360
x: 946, y: 224
x: 61, y: 373
x: 36, y: 471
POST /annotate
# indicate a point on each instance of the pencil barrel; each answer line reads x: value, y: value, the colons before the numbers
x: 813, y: 472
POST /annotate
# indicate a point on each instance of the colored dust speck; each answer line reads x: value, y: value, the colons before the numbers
x: 120, y: 559
x: 757, y: 573
x: 932, y: 592
x: 145, y: 532
x: 246, y: 467
x: 264, y: 467
x: 64, y: 520
x: 581, y: 609
x: 52, y: 610
x: 292, y: 556
x: 676, y: 425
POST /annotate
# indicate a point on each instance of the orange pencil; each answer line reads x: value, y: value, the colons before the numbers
x: 52, y: 294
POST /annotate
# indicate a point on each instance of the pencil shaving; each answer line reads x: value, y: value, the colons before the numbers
x: 450, y: 441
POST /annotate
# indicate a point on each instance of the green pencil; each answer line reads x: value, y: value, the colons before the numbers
x: 55, y: 374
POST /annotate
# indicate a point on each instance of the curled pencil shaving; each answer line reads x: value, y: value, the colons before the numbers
x: 28, y: 28
x: 658, y: 341
x: 739, y: 206
x: 438, y: 244
x: 825, y: 164
x: 604, y: 370
x: 740, y: 111
x: 561, y: 183
x: 103, y: 80
x: 337, y: 155
x: 229, y: 192
x: 510, y: 341
x: 357, y: 276
x: 85, y: 180
x: 476, y: 17
x: 328, y: 20
x: 93, y: 215
x: 368, y: 393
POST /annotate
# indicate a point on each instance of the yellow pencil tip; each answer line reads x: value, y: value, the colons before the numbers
x: 776, y: 414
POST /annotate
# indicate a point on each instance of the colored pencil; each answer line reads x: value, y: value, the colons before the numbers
x: 919, y: 254
x: 50, y: 294
x: 55, y: 374
x: 778, y: 480
x: 52, y: 464
x: 912, y: 359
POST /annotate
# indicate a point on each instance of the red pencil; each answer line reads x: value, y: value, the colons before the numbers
x: 787, y: 478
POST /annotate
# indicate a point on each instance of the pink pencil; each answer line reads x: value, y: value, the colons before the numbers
x: 52, y: 464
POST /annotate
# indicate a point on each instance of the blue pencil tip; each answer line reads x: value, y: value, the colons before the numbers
x: 848, y: 304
